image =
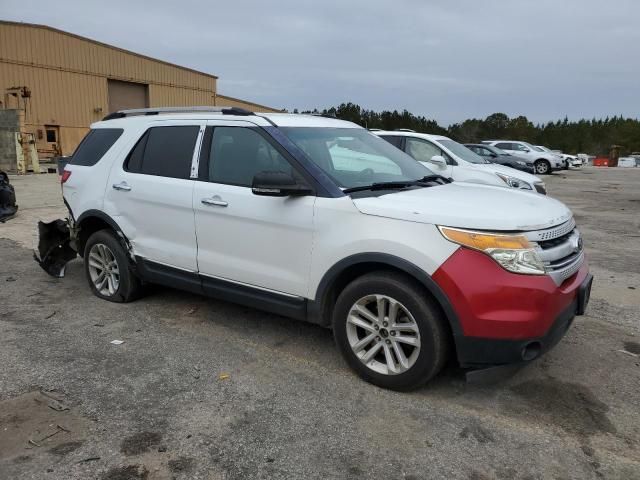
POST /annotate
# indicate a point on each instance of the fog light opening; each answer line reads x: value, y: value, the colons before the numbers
x: 531, y: 351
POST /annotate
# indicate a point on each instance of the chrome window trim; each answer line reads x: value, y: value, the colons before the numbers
x: 195, y: 159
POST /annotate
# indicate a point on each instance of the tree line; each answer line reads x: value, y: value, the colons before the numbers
x: 595, y: 136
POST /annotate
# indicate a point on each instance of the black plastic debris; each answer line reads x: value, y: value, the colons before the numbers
x: 54, y: 247
x: 8, y: 207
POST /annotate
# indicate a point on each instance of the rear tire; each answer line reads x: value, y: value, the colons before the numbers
x: 108, y: 268
x: 400, y: 351
x: 543, y: 167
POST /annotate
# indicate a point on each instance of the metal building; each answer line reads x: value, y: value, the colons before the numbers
x: 59, y: 83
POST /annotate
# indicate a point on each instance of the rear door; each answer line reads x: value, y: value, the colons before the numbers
x: 506, y: 146
x: 150, y: 193
x: 251, y: 240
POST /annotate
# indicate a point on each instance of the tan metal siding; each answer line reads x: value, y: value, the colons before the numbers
x: 36, y: 45
x: 68, y: 75
x: 163, y: 96
x: 224, y: 101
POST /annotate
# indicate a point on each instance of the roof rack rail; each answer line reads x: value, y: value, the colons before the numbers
x: 157, y: 111
x: 404, y: 130
x: 324, y: 115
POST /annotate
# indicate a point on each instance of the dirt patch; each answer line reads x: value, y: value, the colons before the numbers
x: 30, y: 425
x: 140, y: 443
x: 632, y: 347
x: 570, y: 406
x: 127, y: 472
x: 65, y: 448
x: 181, y: 464
x: 481, y: 434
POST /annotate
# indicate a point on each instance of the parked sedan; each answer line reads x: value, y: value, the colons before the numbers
x: 495, y: 155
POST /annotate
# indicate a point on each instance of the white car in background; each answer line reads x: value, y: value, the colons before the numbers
x: 544, y: 162
x: 450, y: 159
x: 565, y: 162
x: 572, y: 160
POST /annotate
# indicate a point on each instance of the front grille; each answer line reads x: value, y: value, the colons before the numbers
x: 554, y: 242
x: 561, y: 250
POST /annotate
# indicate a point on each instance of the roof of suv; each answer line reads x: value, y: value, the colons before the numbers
x: 402, y: 133
x: 143, y: 116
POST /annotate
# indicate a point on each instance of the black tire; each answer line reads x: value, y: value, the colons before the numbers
x: 434, y: 334
x: 129, y: 287
x: 543, y: 167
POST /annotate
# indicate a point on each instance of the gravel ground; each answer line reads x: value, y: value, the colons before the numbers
x: 202, y: 389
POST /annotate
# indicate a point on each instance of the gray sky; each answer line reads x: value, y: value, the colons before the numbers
x: 447, y: 60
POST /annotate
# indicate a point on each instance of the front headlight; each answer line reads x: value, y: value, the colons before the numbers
x: 512, y: 252
x: 522, y: 163
x: 514, y: 182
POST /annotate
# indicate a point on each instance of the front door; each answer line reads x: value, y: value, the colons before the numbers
x: 150, y: 195
x: 247, y: 239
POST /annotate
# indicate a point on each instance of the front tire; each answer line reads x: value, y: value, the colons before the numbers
x: 389, y: 331
x: 108, y: 269
x: 542, y: 167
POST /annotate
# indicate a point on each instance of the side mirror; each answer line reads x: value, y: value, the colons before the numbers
x: 526, y: 150
x: 493, y: 154
x: 277, y: 184
x: 439, y: 161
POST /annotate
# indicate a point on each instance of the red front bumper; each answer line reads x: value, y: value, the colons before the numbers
x: 497, y: 309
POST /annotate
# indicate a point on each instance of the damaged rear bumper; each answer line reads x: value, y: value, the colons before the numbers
x: 8, y: 207
x: 56, y: 247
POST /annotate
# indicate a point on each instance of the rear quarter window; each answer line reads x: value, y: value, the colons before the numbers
x: 94, y: 146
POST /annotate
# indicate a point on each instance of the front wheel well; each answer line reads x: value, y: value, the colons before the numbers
x: 327, y: 300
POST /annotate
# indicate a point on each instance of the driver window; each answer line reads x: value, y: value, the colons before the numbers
x: 238, y: 153
x: 421, y: 150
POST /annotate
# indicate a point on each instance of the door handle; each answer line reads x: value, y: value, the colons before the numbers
x: 215, y: 201
x: 122, y: 186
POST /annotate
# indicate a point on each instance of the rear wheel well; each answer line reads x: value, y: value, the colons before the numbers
x: 87, y: 227
x: 354, y: 271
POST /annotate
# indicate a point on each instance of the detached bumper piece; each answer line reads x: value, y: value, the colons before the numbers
x: 8, y: 207
x: 54, y: 247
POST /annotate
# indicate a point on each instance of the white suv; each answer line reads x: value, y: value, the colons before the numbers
x: 544, y: 162
x: 453, y: 160
x: 320, y: 220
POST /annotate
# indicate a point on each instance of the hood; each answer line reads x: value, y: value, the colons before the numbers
x: 512, y: 172
x: 469, y: 205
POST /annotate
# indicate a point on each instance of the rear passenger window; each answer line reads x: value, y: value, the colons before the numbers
x: 95, y: 145
x: 164, y: 151
x: 504, y: 146
x: 395, y: 141
x: 238, y: 153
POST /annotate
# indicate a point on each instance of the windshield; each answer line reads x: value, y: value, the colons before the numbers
x: 461, y: 151
x: 353, y: 157
x: 533, y: 147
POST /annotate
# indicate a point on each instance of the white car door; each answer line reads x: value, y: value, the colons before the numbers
x: 252, y: 240
x: 424, y: 151
x: 150, y: 194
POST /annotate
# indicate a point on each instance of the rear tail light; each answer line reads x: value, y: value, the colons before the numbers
x: 65, y: 176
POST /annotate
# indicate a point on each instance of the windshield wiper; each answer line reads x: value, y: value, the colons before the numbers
x: 421, y: 182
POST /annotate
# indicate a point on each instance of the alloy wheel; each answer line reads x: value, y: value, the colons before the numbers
x: 383, y: 334
x: 104, y: 270
x: 542, y: 167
